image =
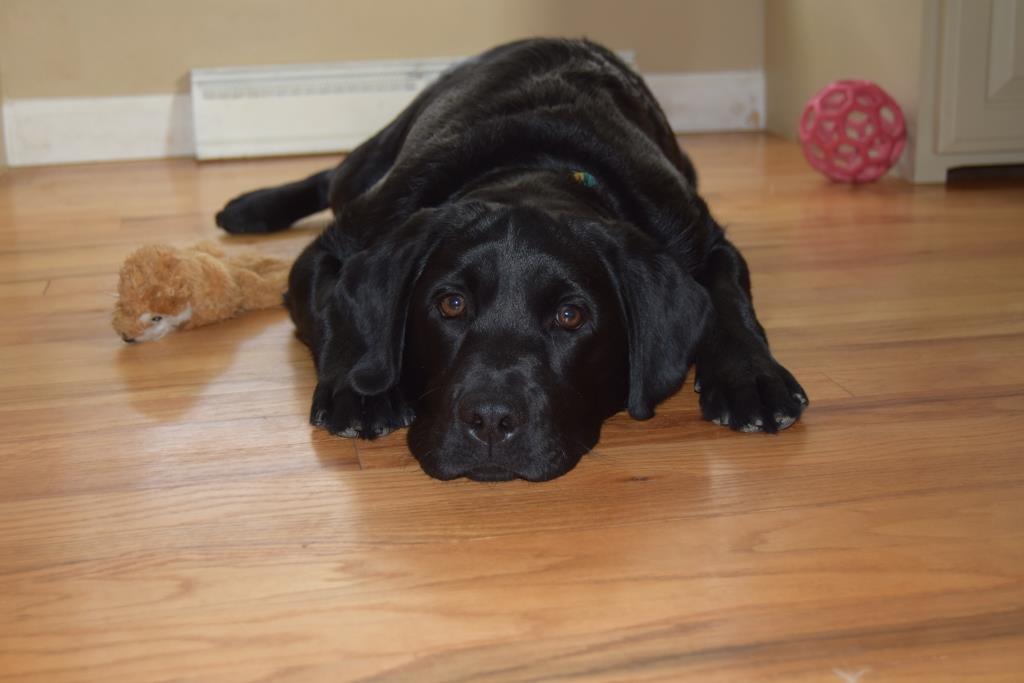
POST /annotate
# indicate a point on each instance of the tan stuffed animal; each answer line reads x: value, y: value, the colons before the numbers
x: 162, y: 288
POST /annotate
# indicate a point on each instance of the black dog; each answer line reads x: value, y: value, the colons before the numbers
x: 519, y: 255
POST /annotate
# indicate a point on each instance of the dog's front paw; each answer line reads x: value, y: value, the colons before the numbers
x: 336, y: 411
x: 750, y: 397
x: 384, y: 413
x: 346, y: 413
x: 247, y: 214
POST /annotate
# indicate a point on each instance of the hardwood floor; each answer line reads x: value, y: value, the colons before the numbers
x: 166, y: 513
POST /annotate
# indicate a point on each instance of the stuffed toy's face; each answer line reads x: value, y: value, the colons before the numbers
x: 152, y: 295
x: 148, y: 326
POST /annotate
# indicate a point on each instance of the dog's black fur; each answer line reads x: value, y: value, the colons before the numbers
x: 519, y: 255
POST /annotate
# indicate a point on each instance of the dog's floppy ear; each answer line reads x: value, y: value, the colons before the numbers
x: 665, y: 312
x: 374, y: 290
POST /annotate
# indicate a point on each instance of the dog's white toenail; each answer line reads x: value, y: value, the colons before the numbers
x: 783, y: 420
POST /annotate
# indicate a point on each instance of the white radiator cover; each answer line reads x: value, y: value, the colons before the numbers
x: 264, y: 111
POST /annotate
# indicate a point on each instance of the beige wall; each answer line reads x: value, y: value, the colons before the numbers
x: 90, y: 48
x: 810, y: 43
x: 3, y: 152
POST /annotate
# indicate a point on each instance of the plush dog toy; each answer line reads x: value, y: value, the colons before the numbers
x: 162, y: 288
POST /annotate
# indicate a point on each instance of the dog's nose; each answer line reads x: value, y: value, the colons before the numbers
x: 490, y: 419
x: 127, y: 339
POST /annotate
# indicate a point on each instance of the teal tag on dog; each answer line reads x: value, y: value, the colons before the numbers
x: 585, y: 179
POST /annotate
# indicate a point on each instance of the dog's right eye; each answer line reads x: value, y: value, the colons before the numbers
x: 452, y: 305
x: 570, y: 317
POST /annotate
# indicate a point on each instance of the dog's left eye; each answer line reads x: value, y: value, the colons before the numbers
x: 570, y: 317
x: 452, y: 305
x: 156, y: 318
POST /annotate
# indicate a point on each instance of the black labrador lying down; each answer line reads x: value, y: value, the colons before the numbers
x: 519, y: 255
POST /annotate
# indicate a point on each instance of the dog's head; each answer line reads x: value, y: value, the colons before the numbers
x: 153, y: 294
x: 515, y: 333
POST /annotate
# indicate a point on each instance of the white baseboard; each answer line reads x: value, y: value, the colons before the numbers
x: 79, y: 129
x: 711, y: 101
x: 257, y: 119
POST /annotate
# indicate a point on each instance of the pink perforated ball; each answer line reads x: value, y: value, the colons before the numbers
x: 852, y: 131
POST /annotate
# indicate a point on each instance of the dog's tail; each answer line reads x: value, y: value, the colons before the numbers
x: 276, y: 208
